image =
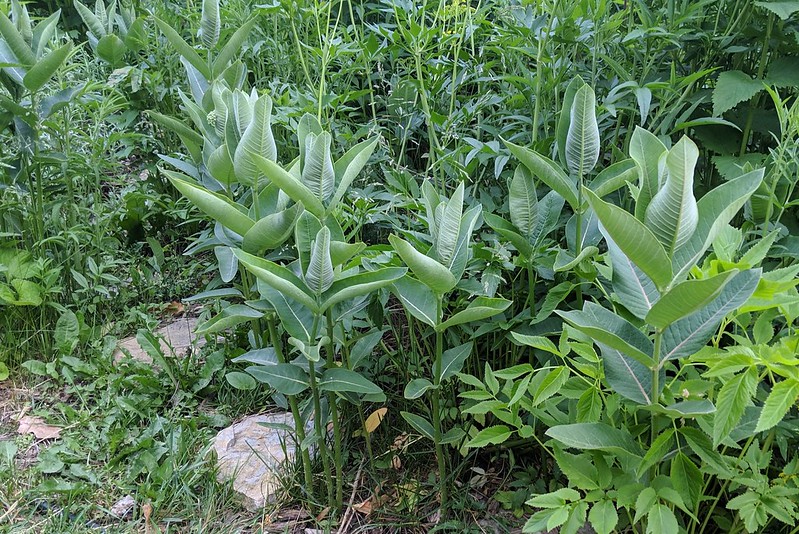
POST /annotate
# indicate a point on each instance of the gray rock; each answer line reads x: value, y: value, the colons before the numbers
x: 177, y: 339
x: 252, y: 456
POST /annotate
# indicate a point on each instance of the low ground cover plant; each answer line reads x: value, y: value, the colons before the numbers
x: 507, y: 265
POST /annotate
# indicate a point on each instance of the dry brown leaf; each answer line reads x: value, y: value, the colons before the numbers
x: 174, y: 308
x: 37, y: 427
x: 365, y: 507
x: 396, y: 463
x: 374, y: 419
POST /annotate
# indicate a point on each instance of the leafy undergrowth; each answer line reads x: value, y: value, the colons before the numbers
x: 91, y: 431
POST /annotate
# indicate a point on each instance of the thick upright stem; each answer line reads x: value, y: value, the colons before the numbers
x: 436, y: 395
x: 299, y: 424
x: 655, y: 385
x: 331, y: 400
x: 321, y: 432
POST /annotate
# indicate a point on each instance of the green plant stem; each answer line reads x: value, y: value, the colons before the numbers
x: 331, y: 400
x: 299, y: 424
x: 431, y: 130
x: 761, y: 69
x: 321, y: 432
x: 436, y: 395
x: 655, y: 388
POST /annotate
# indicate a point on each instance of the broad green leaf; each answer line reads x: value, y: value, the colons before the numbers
x: 783, y: 9
x: 290, y: 185
x: 493, y: 435
x: 344, y: 380
x: 278, y: 277
x: 227, y: 263
x: 463, y: 250
x: 452, y: 360
x: 218, y: 207
x: 341, y: 252
x: 547, y: 171
x: 685, y: 298
x: 564, y: 118
x: 634, y: 239
x: 183, y: 48
x: 284, y: 378
x: 628, y: 377
x: 111, y: 49
x: 603, y: 516
x: 732, y: 88
x: 578, y: 468
x: 417, y: 387
x: 91, y: 20
x: 319, y: 276
x: 430, y: 272
x: 782, y: 398
x: 21, y: 293
x: 16, y: 43
x: 523, y: 201
x: 191, y: 139
x: 551, y: 384
x: 349, y: 165
x: 614, y: 177
x: 582, y: 140
x: 417, y: 298
x: 256, y: 139
x: 732, y: 400
x: 687, y: 409
x: 661, y: 520
x: 566, y: 261
x: 686, y: 336
x: 229, y: 317
x: 318, y: 174
x: 672, y: 215
x: 241, y: 381
x: 271, y: 231
x: 595, y: 436
x: 420, y: 424
x: 716, y: 209
x: 687, y: 479
x: 606, y: 327
x: 360, y: 284
x: 478, y: 309
x: 295, y: 318
x: 232, y: 47
x: 509, y: 232
x: 44, y: 69
x: 43, y: 32
x: 67, y: 332
x: 266, y: 356
x: 449, y: 226
x: 537, y: 342
x: 634, y: 289
x: 657, y: 451
x: 646, y: 150
x: 210, y: 23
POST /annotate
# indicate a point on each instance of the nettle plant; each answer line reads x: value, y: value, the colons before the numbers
x: 647, y: 426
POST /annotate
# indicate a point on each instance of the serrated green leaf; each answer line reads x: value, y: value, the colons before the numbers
x: 732, y: 88
x: 731, y: 402
x: 595, y: 436
x: 782, y: 398
x: 493, y: 435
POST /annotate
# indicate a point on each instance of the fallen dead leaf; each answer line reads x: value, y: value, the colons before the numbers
x: 365, y: 507
x: 37, y: 427
x: 374, y: 419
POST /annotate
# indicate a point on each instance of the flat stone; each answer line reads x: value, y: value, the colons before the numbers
x: 252, y: 455
x: 177, y: 339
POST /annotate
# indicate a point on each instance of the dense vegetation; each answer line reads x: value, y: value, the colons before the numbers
x: 508, y: 264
